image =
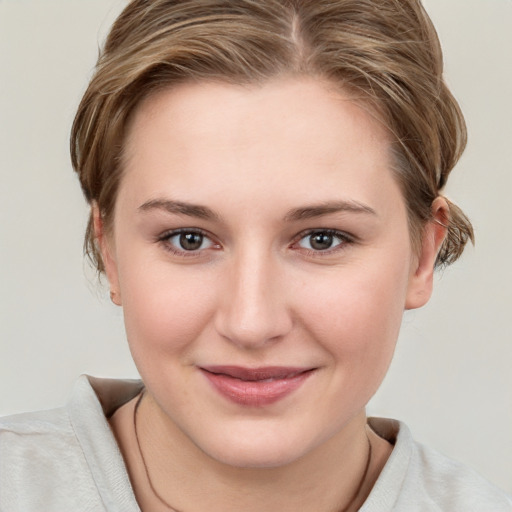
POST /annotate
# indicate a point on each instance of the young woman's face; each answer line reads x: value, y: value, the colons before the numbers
x: 262, y: 256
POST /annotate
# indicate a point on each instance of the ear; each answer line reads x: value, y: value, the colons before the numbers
x: 422, y: 272
x: 105, y: 244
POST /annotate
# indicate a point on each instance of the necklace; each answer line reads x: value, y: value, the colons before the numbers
x: 148, y: 478
x: 165, y: 504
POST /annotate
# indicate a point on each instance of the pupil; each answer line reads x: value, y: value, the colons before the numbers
x: 191, y: 241
x: 321, y: 241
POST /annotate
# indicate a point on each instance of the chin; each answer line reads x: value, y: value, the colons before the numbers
x: 256, y: 458
x: 258, y: 448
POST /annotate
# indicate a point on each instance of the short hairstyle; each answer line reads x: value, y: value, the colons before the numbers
x: 385, y: 52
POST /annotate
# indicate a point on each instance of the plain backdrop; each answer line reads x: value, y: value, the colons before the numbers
x: 451, y: 379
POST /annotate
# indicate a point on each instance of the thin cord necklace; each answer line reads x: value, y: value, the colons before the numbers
x: 153, y: 490
x: 165, y: 504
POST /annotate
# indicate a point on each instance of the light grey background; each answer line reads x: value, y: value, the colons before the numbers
x: 451, y: 380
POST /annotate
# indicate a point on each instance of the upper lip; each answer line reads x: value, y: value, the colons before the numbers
x: 256, y: 374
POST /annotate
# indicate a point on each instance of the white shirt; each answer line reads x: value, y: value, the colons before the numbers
x: 67, y: 460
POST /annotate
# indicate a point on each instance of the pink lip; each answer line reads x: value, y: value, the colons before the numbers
x: 255, y: 386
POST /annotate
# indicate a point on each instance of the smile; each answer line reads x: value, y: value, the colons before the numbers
x: 256, y: 386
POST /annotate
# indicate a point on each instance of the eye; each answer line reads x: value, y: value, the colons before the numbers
x: 189, y: 241
x: 323, y: 240
x: 186, y: 241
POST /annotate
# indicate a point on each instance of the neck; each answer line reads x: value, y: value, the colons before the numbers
x: 333, y: 477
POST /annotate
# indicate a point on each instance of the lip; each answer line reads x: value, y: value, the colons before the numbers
x: 256, y: 386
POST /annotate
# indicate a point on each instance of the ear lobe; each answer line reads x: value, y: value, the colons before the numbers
x: 107, y: 255
x: 422, y: 274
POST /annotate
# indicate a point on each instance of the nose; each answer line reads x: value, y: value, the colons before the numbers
x: 253, y: 307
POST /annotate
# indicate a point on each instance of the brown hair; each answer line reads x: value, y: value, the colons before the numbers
x: 386, y: 51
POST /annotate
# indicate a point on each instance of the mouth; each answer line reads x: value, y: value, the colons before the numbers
x: 256, y: 386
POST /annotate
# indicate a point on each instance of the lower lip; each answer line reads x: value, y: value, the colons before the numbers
x: 255, y: 393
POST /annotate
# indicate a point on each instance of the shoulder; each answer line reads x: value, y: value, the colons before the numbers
x: 417, y: 478
x: 452, y: 485
x: 34, y: 432
x: 37, y: 452
x: 68, y: 457
x: 32, y: 436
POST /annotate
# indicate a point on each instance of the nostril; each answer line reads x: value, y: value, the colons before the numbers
x: 253, y: 328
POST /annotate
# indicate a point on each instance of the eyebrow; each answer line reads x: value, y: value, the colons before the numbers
x: 306, y: 212
x: 179, y: 208
x: 327, y: 208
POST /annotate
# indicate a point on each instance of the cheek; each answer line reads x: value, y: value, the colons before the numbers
x: 356, y: 314
x: 164, y: 309
x: 357, y: 326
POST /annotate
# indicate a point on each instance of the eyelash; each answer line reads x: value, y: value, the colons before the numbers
x: 165, y: 240
x: 343, y: 238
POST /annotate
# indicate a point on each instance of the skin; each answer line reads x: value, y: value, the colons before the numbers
x: 269, y: 165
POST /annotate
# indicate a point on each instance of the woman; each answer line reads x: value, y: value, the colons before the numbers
x: 265, y: 187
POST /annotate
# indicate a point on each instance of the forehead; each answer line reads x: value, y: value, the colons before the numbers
x: 301, y: 136
x: 220, y: 110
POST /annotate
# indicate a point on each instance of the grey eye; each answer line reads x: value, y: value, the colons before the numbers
x: 188, y: 241
x: 322, y: 240
x: 191, y: 241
